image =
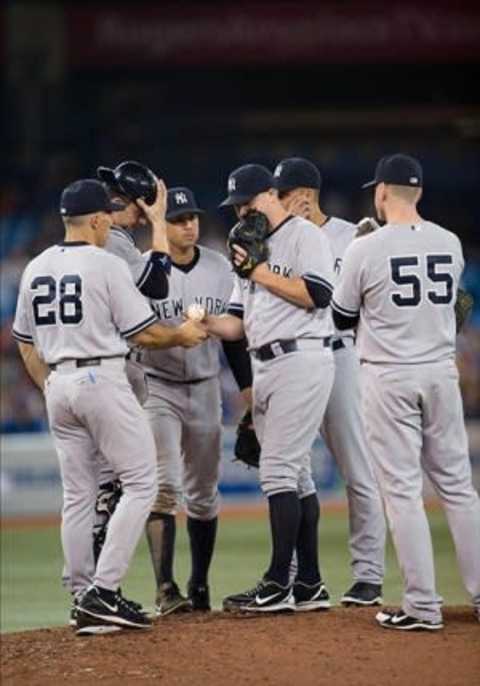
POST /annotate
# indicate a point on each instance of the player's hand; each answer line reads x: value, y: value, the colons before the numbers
x: 239, y: 255
x: 298, y: 205
x: 155, y: 213
x: 191, y: 333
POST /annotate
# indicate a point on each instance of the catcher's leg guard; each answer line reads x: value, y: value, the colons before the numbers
x: 108, y: 497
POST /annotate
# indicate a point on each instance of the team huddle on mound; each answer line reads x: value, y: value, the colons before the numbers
x: 326, y: 325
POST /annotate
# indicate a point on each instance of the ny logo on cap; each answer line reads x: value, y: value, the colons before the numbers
x: 232, y: 184
x: 181, y: 199
x: 413, y: 179
x: 278, y: 170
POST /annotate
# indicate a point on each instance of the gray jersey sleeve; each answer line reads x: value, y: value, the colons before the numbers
x: 314, y: 259
x: 121, y: 244
x: 235, y: 306
x: 150, y: 270
x: 130, y: 311
x: 23, y: 326
x: 347, y: 295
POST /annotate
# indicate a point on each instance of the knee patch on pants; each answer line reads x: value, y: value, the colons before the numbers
x: 203, y: 508
x: 167, y: 501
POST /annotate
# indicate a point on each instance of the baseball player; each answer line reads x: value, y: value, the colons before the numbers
x: 184, y: 408
x: 298, y: 183
x: 283, y: 308
x: 77, y: 308
x: 127, y: 183
x: 399, y: 285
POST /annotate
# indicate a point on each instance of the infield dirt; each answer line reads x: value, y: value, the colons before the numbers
x: 339, y: 647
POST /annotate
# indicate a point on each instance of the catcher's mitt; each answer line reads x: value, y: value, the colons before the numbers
x: 365, y: 226
x: 250, y: 234
x: 247, y: 447
x: 463, y: 308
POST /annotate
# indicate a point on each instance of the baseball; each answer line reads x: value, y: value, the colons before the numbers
x: 196, y: 312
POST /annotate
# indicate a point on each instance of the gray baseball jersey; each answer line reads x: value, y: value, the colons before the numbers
x: 120, y: 242
x: 403, y: 279
x: 77, y: 302
x: 344, y: 434
x: 296, y: 249
x: 290, y: 391
x: 184, y: 401
x: 208, y: 282
x: 340, y: 234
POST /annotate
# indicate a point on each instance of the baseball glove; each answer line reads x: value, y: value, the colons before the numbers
x: 250, y: 234
x: 463, y: 308
x: 247, y: 447
x: 365, y: 226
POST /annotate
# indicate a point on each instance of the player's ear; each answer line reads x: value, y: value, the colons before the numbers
x: 94, y: 221
x: 382, y: 191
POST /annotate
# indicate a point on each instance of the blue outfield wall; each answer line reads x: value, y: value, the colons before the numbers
x: 30, y: 481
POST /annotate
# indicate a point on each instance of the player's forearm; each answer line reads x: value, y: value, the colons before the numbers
x: 159, y: 237
x: 187, y: 335
x: 246, y: 394
x: 35, y: 366
x: 158, y: 336
x: 294, y: 290
x: 225, y: 326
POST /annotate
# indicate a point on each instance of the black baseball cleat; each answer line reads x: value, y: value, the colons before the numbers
x: 310, y: 597
x: 91, y: 626
x: 267, y: 596
x: 76, y: 598
x: 170, y: 600
x: 363, y: 594
x: 199, y: 597
x: 137, y: 606
x: 236, y: 602
x: 112, y: 608
x: 397, y: 619
x: 73, y: 613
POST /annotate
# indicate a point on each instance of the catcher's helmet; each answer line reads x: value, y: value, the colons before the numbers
x: 132, y: 179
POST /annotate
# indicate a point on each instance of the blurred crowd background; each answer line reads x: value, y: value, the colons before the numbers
x: 193, y: 90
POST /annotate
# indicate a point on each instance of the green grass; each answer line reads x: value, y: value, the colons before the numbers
x: 31, y: 594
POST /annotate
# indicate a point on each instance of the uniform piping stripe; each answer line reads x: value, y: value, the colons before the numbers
x: 145, y: 274
x: 235, y: 306
x: 343, y: 310
x: 22, y: 337
x: 139, y: 327
x: 318, y: 279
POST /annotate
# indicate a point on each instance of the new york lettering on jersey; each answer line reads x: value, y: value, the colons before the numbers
x: 207, y: 281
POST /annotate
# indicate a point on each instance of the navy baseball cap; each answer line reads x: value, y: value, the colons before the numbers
x: 246, y: 182
x: 180, y: 200
x: 398, y: 169
x: 86, y: 196
x: 296, y: 172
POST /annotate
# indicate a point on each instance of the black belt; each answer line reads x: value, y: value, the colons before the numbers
x: 177, y: 381
x: 338, y: 344
x: 85, y: 362
x: 271, y: 350
x: 134, y: 355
